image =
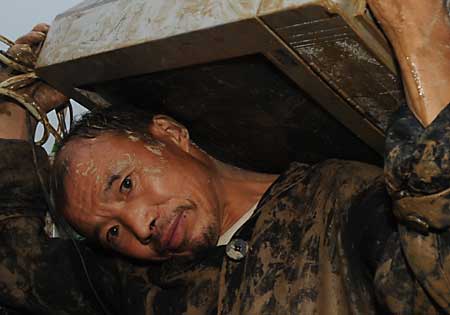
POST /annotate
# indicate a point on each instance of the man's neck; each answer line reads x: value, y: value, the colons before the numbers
x: 241, y: 190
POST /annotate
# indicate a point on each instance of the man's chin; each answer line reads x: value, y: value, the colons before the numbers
x: 204, y: 246
x: 194, y: 249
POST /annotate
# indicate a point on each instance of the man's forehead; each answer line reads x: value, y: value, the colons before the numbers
x: 103, y: 147
x: 100, y: 159
x: 101, y: 168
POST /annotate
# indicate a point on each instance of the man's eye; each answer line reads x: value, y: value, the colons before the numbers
x: 126, y: 185
x: 112, y: 234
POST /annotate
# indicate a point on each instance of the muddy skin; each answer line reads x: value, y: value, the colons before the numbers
x: 419, y: 32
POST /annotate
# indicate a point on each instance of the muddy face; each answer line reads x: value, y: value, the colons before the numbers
x: 148, y: 201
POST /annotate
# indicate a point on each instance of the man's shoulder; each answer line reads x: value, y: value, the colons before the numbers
x: 346, y: 169
x: 333, y: 169
x: 338, y: 176
x: 333, y: 175
x: 344, y: 179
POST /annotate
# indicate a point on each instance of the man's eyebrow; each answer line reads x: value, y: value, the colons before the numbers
x: 111, y: 181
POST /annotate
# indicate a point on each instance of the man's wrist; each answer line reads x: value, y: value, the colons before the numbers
x: 13, y: 117
x: 13, y: 121
x: 424, y: 57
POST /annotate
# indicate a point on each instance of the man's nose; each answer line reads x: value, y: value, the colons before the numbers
x: 142, y: 223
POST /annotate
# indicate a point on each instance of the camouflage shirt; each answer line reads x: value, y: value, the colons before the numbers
x: 322, y: 240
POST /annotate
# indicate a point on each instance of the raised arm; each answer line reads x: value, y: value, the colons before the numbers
x: 417, y: 161
x: 12, y: 116
x: 417, y: 168
x: 37, y: 274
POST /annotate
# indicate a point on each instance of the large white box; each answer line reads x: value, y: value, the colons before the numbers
x: 254, y: 80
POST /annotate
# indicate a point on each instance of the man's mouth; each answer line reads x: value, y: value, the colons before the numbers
x: 174, y: 235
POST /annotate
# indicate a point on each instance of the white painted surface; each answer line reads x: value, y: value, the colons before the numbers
x: 96, y: 26
x: 122, y: 23
x: 270, y: 6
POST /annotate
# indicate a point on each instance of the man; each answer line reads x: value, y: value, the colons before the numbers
x: 315, y: 240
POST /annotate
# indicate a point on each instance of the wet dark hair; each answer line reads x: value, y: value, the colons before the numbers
x: 120, y: 119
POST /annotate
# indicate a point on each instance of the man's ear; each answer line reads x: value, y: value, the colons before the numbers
x: 166, y: 128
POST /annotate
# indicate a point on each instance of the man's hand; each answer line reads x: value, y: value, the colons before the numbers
x: 12, y: 115
x: 47, y: 97
x: 419, y: 32
x: 410, y: 16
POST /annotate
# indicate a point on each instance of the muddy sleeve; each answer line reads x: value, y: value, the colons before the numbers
x: 39, y: 275
x: 417, y: 172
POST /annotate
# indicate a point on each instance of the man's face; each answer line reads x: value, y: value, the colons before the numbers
x: 146, y: 201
